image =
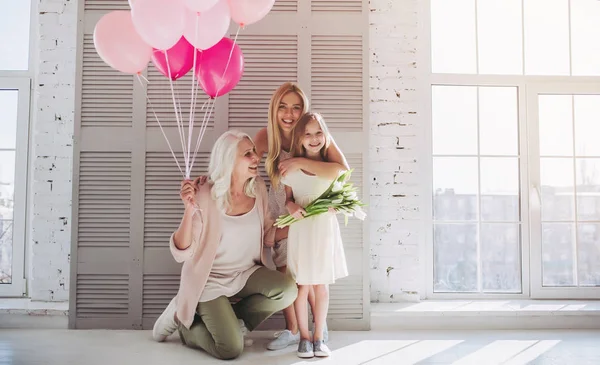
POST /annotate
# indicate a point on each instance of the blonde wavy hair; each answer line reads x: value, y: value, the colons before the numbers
x: 273, y: 131
x: 220, y: 168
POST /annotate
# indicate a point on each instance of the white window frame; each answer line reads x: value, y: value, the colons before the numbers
x: 23, y: 86
x: 530, y: 226
x: 538, y: 290
x: 22, y: 81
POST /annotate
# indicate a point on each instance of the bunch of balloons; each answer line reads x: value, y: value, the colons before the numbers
x: 178, y: 34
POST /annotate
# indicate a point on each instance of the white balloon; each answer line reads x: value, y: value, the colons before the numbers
x: 159, y: 22
x: 200, y: 5
x: 204, y: 30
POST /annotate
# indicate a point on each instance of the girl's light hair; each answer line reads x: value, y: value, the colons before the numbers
x: 220, y: 168
x: 273, y: 130
x: 298, y: 149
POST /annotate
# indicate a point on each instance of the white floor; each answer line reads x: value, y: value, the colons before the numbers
x: 99, y: 347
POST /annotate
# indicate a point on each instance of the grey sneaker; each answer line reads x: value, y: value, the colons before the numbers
x: 165, y: 325
x: 305, y: 349
x: 247, y: 341
x: 283, y: 339
x: 321, y: 349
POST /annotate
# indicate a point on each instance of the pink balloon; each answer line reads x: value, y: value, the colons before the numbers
x: 199, y: 5
x: 245, y: 12
x: 119, y: 45
x: 181, y: 59
x: 211, y: 25
x: 215, y: 76
x: 159, y: 22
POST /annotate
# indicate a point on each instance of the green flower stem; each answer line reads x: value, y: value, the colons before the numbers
x: 325, y: 201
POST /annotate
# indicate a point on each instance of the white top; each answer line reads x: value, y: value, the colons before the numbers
x: 238, y: 255
x: 305, y: 187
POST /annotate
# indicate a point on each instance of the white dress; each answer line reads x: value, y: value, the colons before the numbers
x: 315, y: 249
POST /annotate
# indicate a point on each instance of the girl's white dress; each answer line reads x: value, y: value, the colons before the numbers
x: 315, y: 249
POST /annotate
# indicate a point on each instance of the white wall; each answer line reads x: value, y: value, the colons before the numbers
x: 51, y: 156
x: 396, y: 133
x: 394, y: 138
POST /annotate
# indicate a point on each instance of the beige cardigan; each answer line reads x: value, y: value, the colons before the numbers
x: 198, y: 258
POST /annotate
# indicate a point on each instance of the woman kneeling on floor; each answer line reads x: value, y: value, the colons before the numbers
x: 220, y: 242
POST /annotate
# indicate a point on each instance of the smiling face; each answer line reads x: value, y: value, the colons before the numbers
x: 313, y: 139
x: 246, y: 161
x: 289, y: 111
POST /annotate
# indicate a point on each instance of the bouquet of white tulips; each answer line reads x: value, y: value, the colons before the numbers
x: 341, y: 196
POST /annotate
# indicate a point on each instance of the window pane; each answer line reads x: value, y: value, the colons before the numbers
x: 14, y: 34
x: 556, y: 125
x: 501, y: 257
x: 500, y: 189
x: 499, y: 36
x: 7, y: 187
x: 453, y: 47
x: 558, y: 202
x: 454, y: 118
x: 588, y: 189
x: 455, y: 257
x: 7, y: 183
x: 585, y: 33
x: 587, y: 124
x: 557, y: 254
x: 6, y: 247
x: 588, y: 247
x: 498, y: 121
x: 547, y: 37
x: 455, y: 188
x: 8, y: 119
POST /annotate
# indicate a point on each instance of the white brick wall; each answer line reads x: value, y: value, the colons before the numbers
x: 395, y: 134
x: 52, y: 150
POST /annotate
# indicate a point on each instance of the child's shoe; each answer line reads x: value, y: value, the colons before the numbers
x: 305, y: 349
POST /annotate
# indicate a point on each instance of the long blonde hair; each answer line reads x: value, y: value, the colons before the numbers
x: 273, y: 131
x: 220, y: 168
x: 298, y: 149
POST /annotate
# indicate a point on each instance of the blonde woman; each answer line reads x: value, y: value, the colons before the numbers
x: 220, y: 242
x: 287, y: 105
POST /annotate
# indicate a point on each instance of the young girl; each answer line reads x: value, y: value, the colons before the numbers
x: 287, y: 105
x: 315, y: 252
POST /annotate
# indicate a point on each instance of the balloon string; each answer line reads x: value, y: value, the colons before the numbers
x: 193, y: 100
x: 229, y: 59
x: 204, y: 126
x: 143, y: 77
x: 177, y: 117
x: 179, y: 108
x: 202, y: 129
x: 201, y: 132
x: 160, y: 125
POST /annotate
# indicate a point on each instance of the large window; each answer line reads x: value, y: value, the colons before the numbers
x: 476, y: 189
x: 514, y: 110
x: 15, y: 86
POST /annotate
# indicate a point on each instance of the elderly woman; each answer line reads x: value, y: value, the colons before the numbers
x: 220, y: 242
